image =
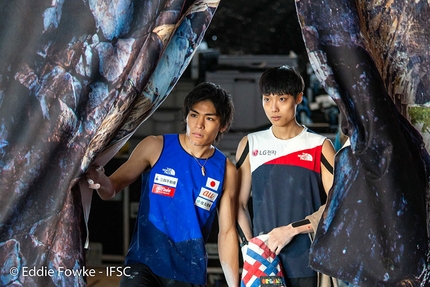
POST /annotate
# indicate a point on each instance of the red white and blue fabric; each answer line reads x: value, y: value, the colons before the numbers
x: 258, y: 261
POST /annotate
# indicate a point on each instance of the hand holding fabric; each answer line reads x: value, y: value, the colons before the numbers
x: 94, y: 175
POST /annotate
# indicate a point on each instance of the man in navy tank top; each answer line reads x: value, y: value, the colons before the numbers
x: 186, y: 182
x: 282, y: 167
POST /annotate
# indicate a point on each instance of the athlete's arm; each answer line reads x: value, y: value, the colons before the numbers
x: 327, y: 176
x: 228, y: 247
x: 244, y: 187
x: 144, y: 155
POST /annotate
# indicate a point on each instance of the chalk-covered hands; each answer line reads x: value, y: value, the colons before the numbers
x: 93, y: 176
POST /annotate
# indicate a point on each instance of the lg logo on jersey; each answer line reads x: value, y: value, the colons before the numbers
x: 263, y: 152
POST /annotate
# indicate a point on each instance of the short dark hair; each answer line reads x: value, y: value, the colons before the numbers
x: 283, y: 80
x: 221, y: 99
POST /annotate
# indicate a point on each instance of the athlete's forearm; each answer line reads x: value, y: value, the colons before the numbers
x: 303, y: 226
x: 228, y: 249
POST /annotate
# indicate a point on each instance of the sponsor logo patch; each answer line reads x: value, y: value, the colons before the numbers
x: 203, y: 203
x: 208, y: 194
x: 165, y: 180
x: 163, y: 190
x: 268, y: 152
x: 206, y: 198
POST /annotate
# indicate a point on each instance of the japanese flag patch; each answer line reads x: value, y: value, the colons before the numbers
x: 212, y: 184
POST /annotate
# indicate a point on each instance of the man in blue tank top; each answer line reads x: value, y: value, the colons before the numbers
x: 186, y: 182
x: 283, y: 166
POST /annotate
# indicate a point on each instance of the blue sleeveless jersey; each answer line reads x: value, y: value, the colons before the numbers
x: 286, y: 187
x: 176, y: 211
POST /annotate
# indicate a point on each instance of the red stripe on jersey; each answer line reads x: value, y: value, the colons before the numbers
x: 307, y: 158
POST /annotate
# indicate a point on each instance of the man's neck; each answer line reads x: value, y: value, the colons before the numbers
x: 203, y: 151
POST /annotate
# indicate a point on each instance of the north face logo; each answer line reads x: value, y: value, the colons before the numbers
x: 305, y: 156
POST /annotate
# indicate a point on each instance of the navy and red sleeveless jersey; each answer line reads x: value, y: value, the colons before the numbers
x: 286, y: 187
